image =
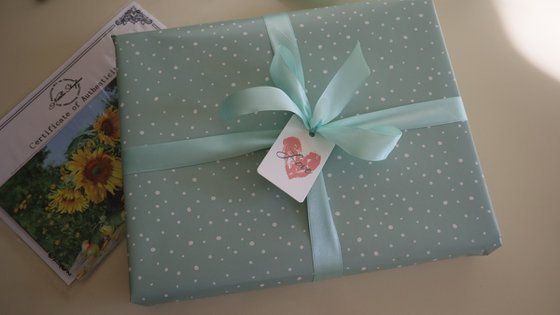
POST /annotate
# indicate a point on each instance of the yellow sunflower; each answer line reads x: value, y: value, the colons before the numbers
x: 108, y: 127
x: 97, y: 172
x: 22, y: 206
x: 67, y: 200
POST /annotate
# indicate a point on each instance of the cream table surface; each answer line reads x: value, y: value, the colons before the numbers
x: 512, y: 96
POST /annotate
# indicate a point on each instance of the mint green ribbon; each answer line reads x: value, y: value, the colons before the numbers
x: 371, y: 136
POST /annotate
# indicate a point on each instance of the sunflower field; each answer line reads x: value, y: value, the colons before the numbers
x: 74, y: 210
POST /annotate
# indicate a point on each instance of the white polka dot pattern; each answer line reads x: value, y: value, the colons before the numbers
x: 219, y: 227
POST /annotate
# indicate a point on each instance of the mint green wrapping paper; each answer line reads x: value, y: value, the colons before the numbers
x: 219, y: 227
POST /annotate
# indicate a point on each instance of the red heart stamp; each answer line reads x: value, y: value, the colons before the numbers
x: 295, y: 163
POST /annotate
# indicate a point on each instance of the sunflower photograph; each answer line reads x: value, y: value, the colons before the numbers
x: 107, y: 127
x: 68, y: 197
x: 97, y: 172
x: 67, y: 200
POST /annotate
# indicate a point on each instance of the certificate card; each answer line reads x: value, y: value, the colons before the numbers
x: 61, y: 175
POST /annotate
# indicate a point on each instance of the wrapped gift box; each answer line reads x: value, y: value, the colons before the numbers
x: 219, y: 227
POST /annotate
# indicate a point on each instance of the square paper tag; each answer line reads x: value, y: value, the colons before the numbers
x: 295, y: 159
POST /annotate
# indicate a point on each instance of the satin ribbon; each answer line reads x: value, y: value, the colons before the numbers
x: 371, y: 136
x: 183, y: 153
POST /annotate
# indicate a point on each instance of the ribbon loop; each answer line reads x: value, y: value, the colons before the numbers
x: 342, y: 87
x: 253, y: 100
x: 284, y: 78
x: 373, y: 144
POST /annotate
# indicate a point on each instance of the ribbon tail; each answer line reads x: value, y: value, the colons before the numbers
x: 283, y: 76
x: 325, y: 245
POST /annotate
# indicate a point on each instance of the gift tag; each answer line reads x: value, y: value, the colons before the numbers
x: 295, y: 159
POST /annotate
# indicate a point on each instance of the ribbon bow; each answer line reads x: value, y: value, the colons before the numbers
x: 370, y: 136
x: 290, y: 95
